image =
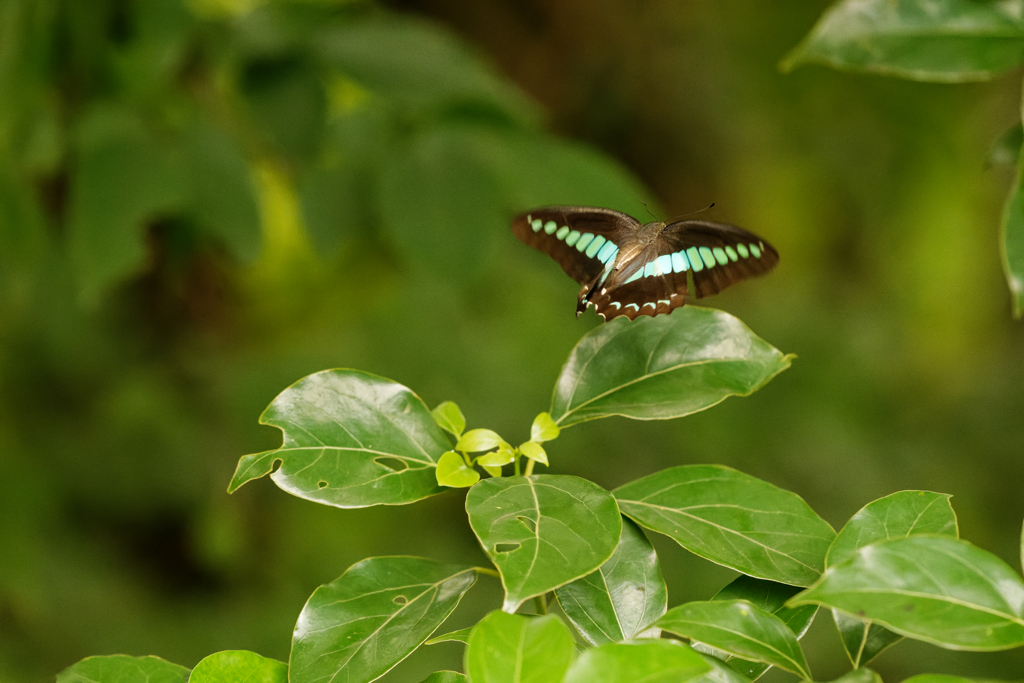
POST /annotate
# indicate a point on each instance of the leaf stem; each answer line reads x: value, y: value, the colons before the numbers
x: 486, y: 571
x: 540, y: 602
x: 529, y: 468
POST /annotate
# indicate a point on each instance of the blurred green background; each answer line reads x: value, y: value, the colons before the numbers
x: 203, y: 201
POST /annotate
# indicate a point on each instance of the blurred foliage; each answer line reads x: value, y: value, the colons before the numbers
x: 202, y: 202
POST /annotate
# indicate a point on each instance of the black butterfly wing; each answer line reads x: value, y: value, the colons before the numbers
x: 647, y: 285
x: 582, y: 239
x: 719, y: 255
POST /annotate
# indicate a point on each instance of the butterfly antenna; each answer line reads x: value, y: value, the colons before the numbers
x: 671, y: 220
x: 649, y: 210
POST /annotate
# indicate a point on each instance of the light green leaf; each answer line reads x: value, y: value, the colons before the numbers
x: 1012, y: 244
x: 450, y: 418
x: 373, y: 616
x: 239, y: 665
x: 476, y: 440
x: 534, y: 451
x: 503, y: 456
x: 938, y: 678
x: 720, y: 671
x: 452, y: 470
x: 861, y: 676
x: 739, y: 628
x: 926, y: 40
x: 543, y: 429
x: 663, y: 367
x: 445, y: 677
x: 510, y: 648
x: 733, y: 519
x: 351, y: 439
x: 460, y: 636
x: 123, y: 669
x: 542, y: 531
x: 623, y: 597
x: 937, y: 589
x: 650, y: 661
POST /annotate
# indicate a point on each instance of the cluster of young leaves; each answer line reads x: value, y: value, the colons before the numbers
x: 945, y: 41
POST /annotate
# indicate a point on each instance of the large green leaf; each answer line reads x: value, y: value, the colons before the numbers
x: 941, y: 590
x: 739, y: 628
x: 511, y: 648
x: 239, y: 665
x: 650, y: 661
x: 623, y: 597
x: 123, y: 669
x: 733, y: 519
x: 351, y: 439
x: 663, y: 367
x: 543, y: 531
x: 1013, y: 241
x: 373, y: 616
x: 925, y: 40
x: 901, y: 514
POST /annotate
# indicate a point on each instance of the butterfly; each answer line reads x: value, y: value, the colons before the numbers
x: 631, y: 269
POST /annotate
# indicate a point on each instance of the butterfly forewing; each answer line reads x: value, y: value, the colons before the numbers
x: 577, y: 237
x: 719, y: 255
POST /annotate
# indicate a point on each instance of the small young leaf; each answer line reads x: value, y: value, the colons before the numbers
x: 543, y: 429
x: 123, y: 669
x: 239, y: 665
x: 477, y: 440
x: 511, y: 648
x: 542, y: 531
x: 493, y: 470
x: 534, y: 451
x: 453, y: 471
x: 503, y: 456
x: 449, y: 418
x: 941, y: 590
x: 645, y: 660
x: 739, y: 628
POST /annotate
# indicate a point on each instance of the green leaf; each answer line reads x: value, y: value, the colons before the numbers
x: 511, y: 648
x: 1006, y: 150
x: 239, y: 665
x: 452, y: 470
x: 623, y: 597
x: 732, y: 519
x: 373, y: 616
x: 288, y: 104
x: 946, y: 41
x: 351, y: 439
x: 898, y: 515
x: 460, y: 636
x: 450, y: 418
x: 123, y: 669
x: 1012, y: 243
x: 534, y: 451
x: 663, y: 367
x: 503, y: 456
x: 543, y: 429
x: 476, y: 440
x: 542, y: 531
x: 940, y: 590
x: 650, y: 661
x: 739, y: 628
x: 862, y: 676
x: 938, y: 678
x: 445, y: 677
x: 720, y: 671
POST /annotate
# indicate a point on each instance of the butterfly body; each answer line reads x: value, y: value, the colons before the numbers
x: 631, y: 269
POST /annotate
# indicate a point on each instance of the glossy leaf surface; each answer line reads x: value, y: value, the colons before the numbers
x: 863, y: 639
x: 733, y: 519
x: 239, y: 665
x: 123, y: 669
x: 453, y: 471
x: 741, y: 629
x: 543, y: 531
x: 370, y: 618
x: 650, y: 661
x: 351, y: 439
x: 476, y: 440
x: 449, y: 418
x: 720, y: 671
x: 623, y: 597
x: 925, y: 40
x: 543, y: 429
x: 663, y: 367
x: 1013, y: 242
x: 941, y: 590
x: 511, y: 648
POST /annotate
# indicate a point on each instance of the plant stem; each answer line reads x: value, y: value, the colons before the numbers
x: 529, y: 468
x: 540, y: 603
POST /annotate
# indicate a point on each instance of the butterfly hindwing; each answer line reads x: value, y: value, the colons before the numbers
x: 642, y: 289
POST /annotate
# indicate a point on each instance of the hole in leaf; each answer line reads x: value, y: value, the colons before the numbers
x: 393, y: 464
x: 529, y: 524
x: 401, y: 600
x: 505, y: 548
x: 322, y: 484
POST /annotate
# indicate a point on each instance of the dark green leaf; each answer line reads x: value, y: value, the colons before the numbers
x: 1013, y: 242
x: 733, y: 519
x: 351, y: 439
x: 445, y: 677
x: 449, y: 418
x: 288, y: 104
x: 543, y: 531
x: 373, y: 616
x: 123, y: 669
x: 510, y: 648
x: 239, y: 665
x: 649, y: 661
x: 663, y: 367
x: 925, y: 40
x: 739, y: 628
x: 862, y: 639
x: 940, y: 590
x: 452, y: 470
x: 623, y: 598
x: 460, y: 636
